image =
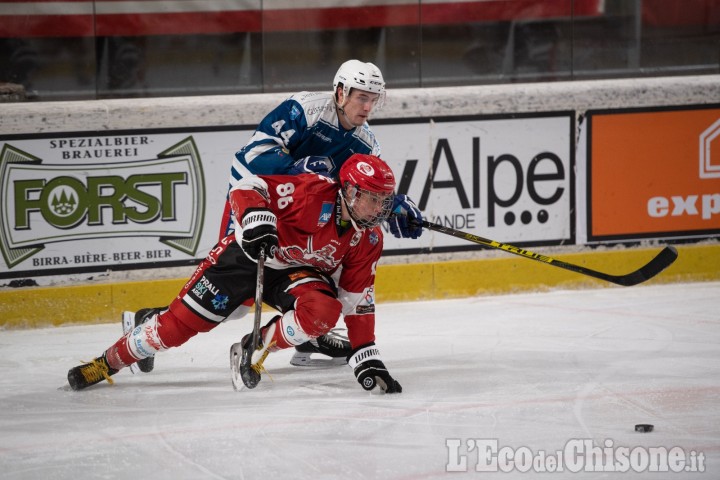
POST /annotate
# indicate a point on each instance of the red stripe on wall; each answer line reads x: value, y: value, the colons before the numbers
x: 178, y: 23
x: 208, y: 22
x: 21, y: 26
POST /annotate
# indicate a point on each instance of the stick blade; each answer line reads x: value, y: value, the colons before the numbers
x: 661, y: 261
x: 235, y: 356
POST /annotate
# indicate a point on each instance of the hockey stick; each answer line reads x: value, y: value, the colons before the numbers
x: 661, y: 261
x: 236, y: 348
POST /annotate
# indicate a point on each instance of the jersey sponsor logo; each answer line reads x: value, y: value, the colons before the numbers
x: 151, y: 339
x: 307, y: 95
x: 367, y: 304
x: 290, y: 331
x: 295, y: 112
x: 203, y: 286
x: 295, y: 276
x: 323, y: 259
x: 373, y: 238
x: 140, y: 348
x: 356, y: 239
x: 220, y: 302
x: 365, y: 309
x: 325, y: 213
x: 113, y: 356
x: 316, y: 110
x: 322, y: 137
x: 370, y: 296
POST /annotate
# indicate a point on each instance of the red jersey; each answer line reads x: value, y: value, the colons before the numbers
x: 310, y: 234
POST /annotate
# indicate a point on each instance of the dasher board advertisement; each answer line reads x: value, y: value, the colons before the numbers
x: 506, y: 177
x: 84, y: 202
x: 81, y: 202
x: 653, y: 173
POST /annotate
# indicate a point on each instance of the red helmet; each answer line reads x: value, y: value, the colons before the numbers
x: 367, y: 187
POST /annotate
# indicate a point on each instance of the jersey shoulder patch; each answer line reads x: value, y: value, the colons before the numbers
x: 315, y: 105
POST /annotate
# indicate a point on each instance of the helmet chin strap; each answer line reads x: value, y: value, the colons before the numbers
x: 341, y: 109
x: 349, y: 211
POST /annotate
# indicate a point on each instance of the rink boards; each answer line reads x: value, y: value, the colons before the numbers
x: 556, y: 192
x: 100, y: 303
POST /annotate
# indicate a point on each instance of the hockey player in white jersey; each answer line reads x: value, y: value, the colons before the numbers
x: 315, y: 132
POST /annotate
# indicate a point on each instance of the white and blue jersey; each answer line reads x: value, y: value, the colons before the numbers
x: 303, y: 125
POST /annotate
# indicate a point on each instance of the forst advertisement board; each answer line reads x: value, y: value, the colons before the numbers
x: 78, y: 202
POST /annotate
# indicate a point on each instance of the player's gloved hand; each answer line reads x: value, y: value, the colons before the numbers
x: 370, y: 371
x: 259, y: 228
x: 313, y: 164
x: 406, y: 219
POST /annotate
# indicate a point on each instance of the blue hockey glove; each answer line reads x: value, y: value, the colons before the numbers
x: 313, y: 164
x: 406, y: 219
x: 370, y: 371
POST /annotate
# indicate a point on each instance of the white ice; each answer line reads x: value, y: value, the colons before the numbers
x: 535, y: 370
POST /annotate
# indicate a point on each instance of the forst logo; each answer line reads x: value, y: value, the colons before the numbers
x: 45, y: 203
x: 65, y: 201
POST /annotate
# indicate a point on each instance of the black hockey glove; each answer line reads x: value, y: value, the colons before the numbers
x: 259, y: 227
x: 370, y: 370
x: 406, y: 219
x: 313, y: 164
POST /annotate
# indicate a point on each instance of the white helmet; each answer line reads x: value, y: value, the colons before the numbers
x: 360, y: 75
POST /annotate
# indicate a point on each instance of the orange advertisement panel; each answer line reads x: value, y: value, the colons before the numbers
x: 654, y: 174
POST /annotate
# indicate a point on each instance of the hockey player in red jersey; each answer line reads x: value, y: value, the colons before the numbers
x: 312, y: 132
x: 323, y: 241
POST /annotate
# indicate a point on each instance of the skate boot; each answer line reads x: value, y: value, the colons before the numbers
x: 250, y: 370
x: 132, y: 320
x: 90, y: 373
x: 247, y: 366
x: 331, y: 344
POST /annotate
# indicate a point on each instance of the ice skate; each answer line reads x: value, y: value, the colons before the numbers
x: 329, y: 349
x: 242, y: 364
x: 90, y: 373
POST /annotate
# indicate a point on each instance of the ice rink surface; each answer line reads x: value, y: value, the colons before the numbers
x: 533, y: 373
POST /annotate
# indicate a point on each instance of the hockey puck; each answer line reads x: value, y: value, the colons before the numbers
x: 644, y: 427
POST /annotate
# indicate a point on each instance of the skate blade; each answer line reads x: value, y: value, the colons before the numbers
x: 128, y: 323
x: 235, y: 356
x: 305, y: 359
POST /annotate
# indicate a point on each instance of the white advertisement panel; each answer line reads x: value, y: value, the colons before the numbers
x: 505, y: 178
x: 84, y: 202
x: 80, y: 202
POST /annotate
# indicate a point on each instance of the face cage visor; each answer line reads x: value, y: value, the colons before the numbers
x: 377, y: 103
x: 375, y: 207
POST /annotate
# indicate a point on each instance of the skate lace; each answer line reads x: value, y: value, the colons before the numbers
x: 258, y: 366
x: 94, y: 371
x: 333, y: 341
